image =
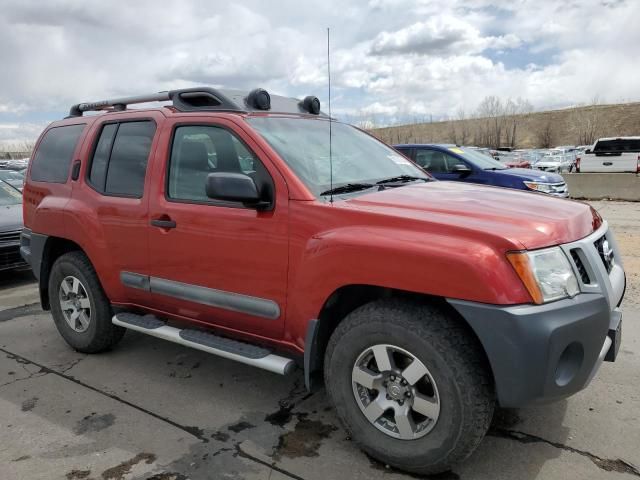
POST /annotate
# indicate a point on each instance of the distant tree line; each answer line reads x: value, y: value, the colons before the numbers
x: 499, y: 123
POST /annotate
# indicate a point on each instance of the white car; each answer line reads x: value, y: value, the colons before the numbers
x: 557, y: 161
x: 611, y: 155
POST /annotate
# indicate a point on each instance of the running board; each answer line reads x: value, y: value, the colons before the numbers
x: 207, y: 342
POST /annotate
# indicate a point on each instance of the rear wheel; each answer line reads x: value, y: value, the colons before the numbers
x: 410, y: 384
x: 80, y: 309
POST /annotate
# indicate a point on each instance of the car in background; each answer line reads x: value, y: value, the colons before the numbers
x: 461, y: 164
x: 10, y: 227
x: 15, y: 178
x: 558, y: 160
x: 15, y: 164
x: 611, y: 155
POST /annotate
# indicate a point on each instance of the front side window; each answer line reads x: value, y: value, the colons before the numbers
x: 355, y: 156
x: 199, y: 150
x: 119, y: 162
x: 51, y: 161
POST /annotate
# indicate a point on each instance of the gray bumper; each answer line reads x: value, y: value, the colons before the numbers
x: 546, y: 352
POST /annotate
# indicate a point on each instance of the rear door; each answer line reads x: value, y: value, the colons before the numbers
x: 214, y: 262
x: 108, y: 215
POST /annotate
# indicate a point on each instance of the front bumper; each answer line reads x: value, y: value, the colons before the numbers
x: 10, y: 251
x: 547, y: 352
x: 542, y: 353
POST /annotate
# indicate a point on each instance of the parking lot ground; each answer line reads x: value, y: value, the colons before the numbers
x: 155, y: 410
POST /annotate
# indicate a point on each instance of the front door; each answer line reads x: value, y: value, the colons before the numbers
x: 216, y: 262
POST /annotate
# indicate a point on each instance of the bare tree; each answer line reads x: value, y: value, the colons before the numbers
x: 546, y: 135
x: 587, y: 122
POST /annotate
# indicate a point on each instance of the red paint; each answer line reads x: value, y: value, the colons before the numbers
x: 439, y: 238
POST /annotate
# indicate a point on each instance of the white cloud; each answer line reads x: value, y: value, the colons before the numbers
x: 440, y: 35
x: 392, y: 58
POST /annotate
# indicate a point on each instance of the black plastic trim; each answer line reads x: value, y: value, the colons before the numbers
x: 311, y: 355
x: 237, y: 302
x: 524, y: 344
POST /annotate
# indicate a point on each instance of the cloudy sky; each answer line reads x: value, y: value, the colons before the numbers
x: 392, y: 60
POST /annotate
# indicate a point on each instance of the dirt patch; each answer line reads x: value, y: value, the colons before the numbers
x: 78, y: 474
x: 119, y: 471
x: 240, y: 426
x: 29, y: 404
x: 94, y: 423
x: 304, y: 440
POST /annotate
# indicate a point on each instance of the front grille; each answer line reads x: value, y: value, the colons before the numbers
x: 10, y: 257
x: 605, y: 252
x: 10, y: 238
x: 584, y: 276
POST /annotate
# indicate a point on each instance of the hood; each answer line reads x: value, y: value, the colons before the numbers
x: 10, y: 218
x: 531, y: 175
x: 520, y: 219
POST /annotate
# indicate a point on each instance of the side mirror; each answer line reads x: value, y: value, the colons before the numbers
x: 235, y: 187
x: 462, y: 169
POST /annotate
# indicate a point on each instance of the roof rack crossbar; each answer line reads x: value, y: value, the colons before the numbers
x: 182, y: 100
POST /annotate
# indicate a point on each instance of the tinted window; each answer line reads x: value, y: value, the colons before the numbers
x: 434, y: 161
x: 119, y: 164
x: 198, y: 151
x: 52, y: 160
x: 9, y: 195
x: 618, y: 145
x: 98, y: 173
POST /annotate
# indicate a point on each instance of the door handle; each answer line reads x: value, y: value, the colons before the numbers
x: 163, y: 223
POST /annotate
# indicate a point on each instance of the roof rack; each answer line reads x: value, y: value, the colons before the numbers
x: 208, y: 99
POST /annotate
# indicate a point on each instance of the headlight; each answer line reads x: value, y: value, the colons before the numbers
x: 539, y: 187
x: 546, y: 273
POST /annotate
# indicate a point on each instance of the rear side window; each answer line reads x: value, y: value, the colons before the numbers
x: 51, y: 161
x: 119, y: 162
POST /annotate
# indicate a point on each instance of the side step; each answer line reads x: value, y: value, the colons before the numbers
x: 207, y: 342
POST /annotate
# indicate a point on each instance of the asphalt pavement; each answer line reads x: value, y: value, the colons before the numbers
x: 150, y: 409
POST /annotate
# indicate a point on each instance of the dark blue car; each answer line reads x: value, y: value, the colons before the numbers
x: 461, y: 164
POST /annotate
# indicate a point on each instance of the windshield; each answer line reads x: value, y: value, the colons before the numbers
x: 480, y: 160
x: 357, y: 157
x: 9, y: 195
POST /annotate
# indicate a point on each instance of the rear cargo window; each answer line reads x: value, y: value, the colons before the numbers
x: 51, y: 161
x: 120, y: 157
x: 617, y: 145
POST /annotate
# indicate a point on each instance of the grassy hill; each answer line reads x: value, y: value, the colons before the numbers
x: 570, y: 126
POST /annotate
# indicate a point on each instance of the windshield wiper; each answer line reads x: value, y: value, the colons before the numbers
x: 402, y: 179
x: 493, y: 169
x: 349, y: 187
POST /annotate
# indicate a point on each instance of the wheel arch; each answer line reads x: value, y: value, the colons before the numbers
x: 345, y: 300
x: 54, y: 247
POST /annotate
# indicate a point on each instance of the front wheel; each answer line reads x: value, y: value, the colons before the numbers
x: 410, y: 384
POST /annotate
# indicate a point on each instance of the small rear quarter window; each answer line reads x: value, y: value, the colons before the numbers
x: 53, y: 157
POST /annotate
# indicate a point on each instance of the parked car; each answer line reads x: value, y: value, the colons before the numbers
x: 611, y: 155
x: 557, y: 160
x: 420, y: 303
x: 15, y: 178
x: 450, y: 162
x: 10, y: 227
x: 14, y: 164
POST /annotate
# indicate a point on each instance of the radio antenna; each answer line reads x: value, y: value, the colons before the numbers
x: 330, y: 119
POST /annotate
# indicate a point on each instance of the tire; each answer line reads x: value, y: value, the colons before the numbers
x: 455, y: 363
x: 92, y: 332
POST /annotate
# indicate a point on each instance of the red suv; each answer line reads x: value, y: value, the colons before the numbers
x: 256, y: 228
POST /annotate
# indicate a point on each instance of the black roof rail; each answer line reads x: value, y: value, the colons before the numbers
x: 207, y: 98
